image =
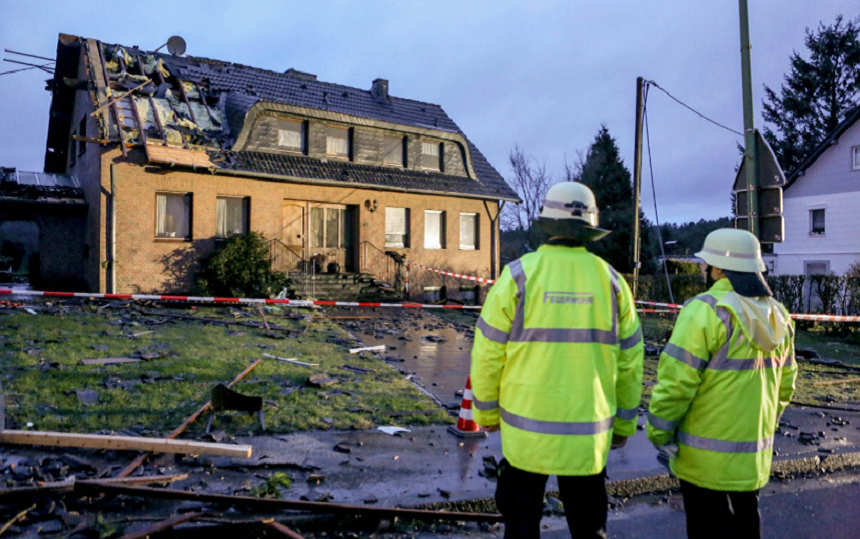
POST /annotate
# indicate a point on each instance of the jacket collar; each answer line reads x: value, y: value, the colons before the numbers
x: 723, y: 285
x: 560, y: 248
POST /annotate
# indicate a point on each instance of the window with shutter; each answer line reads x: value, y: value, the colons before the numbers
x: 392, y: 150
x: 469, y: 231
x: 431, y: 156
x: 397, y: 227
x: 434, y: 229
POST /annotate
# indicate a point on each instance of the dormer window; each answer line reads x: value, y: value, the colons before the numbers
x: 337, y: 142
x: 393, y: 150
x: 431, y: 156
x: 291, y: 136
x: 855, y: 157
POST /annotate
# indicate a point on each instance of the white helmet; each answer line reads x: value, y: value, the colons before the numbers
x: 570, y: 210
x: 732, y: 249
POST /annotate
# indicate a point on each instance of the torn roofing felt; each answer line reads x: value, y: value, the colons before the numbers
x: 201, y: 105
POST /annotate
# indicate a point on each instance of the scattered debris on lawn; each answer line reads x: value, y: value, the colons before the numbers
x: 367, y: 349
x: 392, y: 430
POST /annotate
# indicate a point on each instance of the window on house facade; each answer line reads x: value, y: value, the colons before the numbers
x: 397, y: 227
x: 431, y: 155
x: 337, y: 141
x: 292, y: 136
x: 393, y: 150
x: 82, y: 131
x: 469, y: 231
x: 434, y: 229
x: 231, y: 216
x: 855, y: 158
x: 328, y: 228
x: 816, y: 221
x: 173, y: 215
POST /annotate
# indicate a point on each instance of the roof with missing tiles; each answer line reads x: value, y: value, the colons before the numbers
x: 210, y: 109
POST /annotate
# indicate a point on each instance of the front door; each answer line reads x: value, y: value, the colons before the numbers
x: 293, y: 233
x: 332, y: 237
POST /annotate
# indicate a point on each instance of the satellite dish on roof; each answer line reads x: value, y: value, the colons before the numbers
x: 176, y: 46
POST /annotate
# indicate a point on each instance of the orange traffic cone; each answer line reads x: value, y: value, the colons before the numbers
x: 466, y: 426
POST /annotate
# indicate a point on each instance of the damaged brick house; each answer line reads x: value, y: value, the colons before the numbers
x: 175, y: 153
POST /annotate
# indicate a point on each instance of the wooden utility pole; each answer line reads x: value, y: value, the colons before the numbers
x: 750, y: 149
x: 637, y: 181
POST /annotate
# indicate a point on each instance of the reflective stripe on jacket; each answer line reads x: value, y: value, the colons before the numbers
x: 719, y: 393
x: 557, y: 360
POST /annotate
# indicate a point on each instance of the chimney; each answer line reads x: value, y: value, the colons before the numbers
x: 300, y: 74
x: 379, y: 91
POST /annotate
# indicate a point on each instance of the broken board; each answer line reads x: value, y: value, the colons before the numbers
x: 123, y: 443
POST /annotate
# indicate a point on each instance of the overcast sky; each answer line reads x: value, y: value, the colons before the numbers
x: 542, y: 74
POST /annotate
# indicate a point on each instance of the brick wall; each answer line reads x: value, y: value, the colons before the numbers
x: 148, y: 264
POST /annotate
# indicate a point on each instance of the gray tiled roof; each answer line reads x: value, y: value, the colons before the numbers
x: 245, y: 86
x: 295, y: 166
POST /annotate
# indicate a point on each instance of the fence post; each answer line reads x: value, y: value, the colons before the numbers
x: 407, y: 279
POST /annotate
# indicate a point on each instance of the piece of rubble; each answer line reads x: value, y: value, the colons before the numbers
x: 321, y: 380
x: 87, y: 396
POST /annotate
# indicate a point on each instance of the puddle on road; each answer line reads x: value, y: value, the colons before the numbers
x: 439, y: 366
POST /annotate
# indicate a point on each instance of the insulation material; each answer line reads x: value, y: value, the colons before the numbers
x: 178, y: 106
x: 191, y: 90
x: 146, y: 114
x: 204, y: 119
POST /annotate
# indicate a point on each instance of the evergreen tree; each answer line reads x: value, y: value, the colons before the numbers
x: 818, y: 93
x: 602, y: 169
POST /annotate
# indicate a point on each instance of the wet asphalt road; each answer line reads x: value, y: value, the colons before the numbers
x: 825, y: 506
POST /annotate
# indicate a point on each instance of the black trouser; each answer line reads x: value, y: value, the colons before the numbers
x: 713, y: 513
x: 519, y: 497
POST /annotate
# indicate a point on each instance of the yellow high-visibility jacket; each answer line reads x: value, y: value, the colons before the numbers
x: 723, y: 381
x: 557, y: 361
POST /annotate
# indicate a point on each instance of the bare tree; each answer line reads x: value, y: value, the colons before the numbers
x: 531, y: 181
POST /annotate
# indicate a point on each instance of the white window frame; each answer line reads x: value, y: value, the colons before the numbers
x: 404, y: 244
x: 476, y: 246
x: 303, y: 134
x: 855, y: 158
x: 441, y: 238
x: 246, y: 209
x: 811, y: 221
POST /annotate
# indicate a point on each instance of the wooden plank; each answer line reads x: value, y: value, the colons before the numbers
x: 273, y: 504
x: 110, y: 361
x: 283, y: 530
x: 137, y: 462
x: 69, y: 484
x: 161, y: 526
x: 177, y: 156
x: 123, y: 443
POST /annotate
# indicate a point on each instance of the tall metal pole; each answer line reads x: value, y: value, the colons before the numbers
x: 637, y: 181
x: 750, y: 150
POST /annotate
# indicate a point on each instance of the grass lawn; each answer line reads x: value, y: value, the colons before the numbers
x: 846, y: 349
x: 40, y: 370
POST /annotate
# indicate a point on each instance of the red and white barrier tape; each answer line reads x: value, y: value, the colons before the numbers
x: 452, y: 274
x: 812, y: 317
x: 197, y: 299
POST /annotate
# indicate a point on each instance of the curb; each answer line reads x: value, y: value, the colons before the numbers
x: 629, y: 488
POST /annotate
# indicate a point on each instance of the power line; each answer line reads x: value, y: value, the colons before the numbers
x: 654, y: 195
x: 718, y: 124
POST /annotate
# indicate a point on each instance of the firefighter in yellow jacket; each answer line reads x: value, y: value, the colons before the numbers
x: 724, y: 379
x: 557, y: 365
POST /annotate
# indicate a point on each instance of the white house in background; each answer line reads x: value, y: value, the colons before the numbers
x: 822, y: 207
